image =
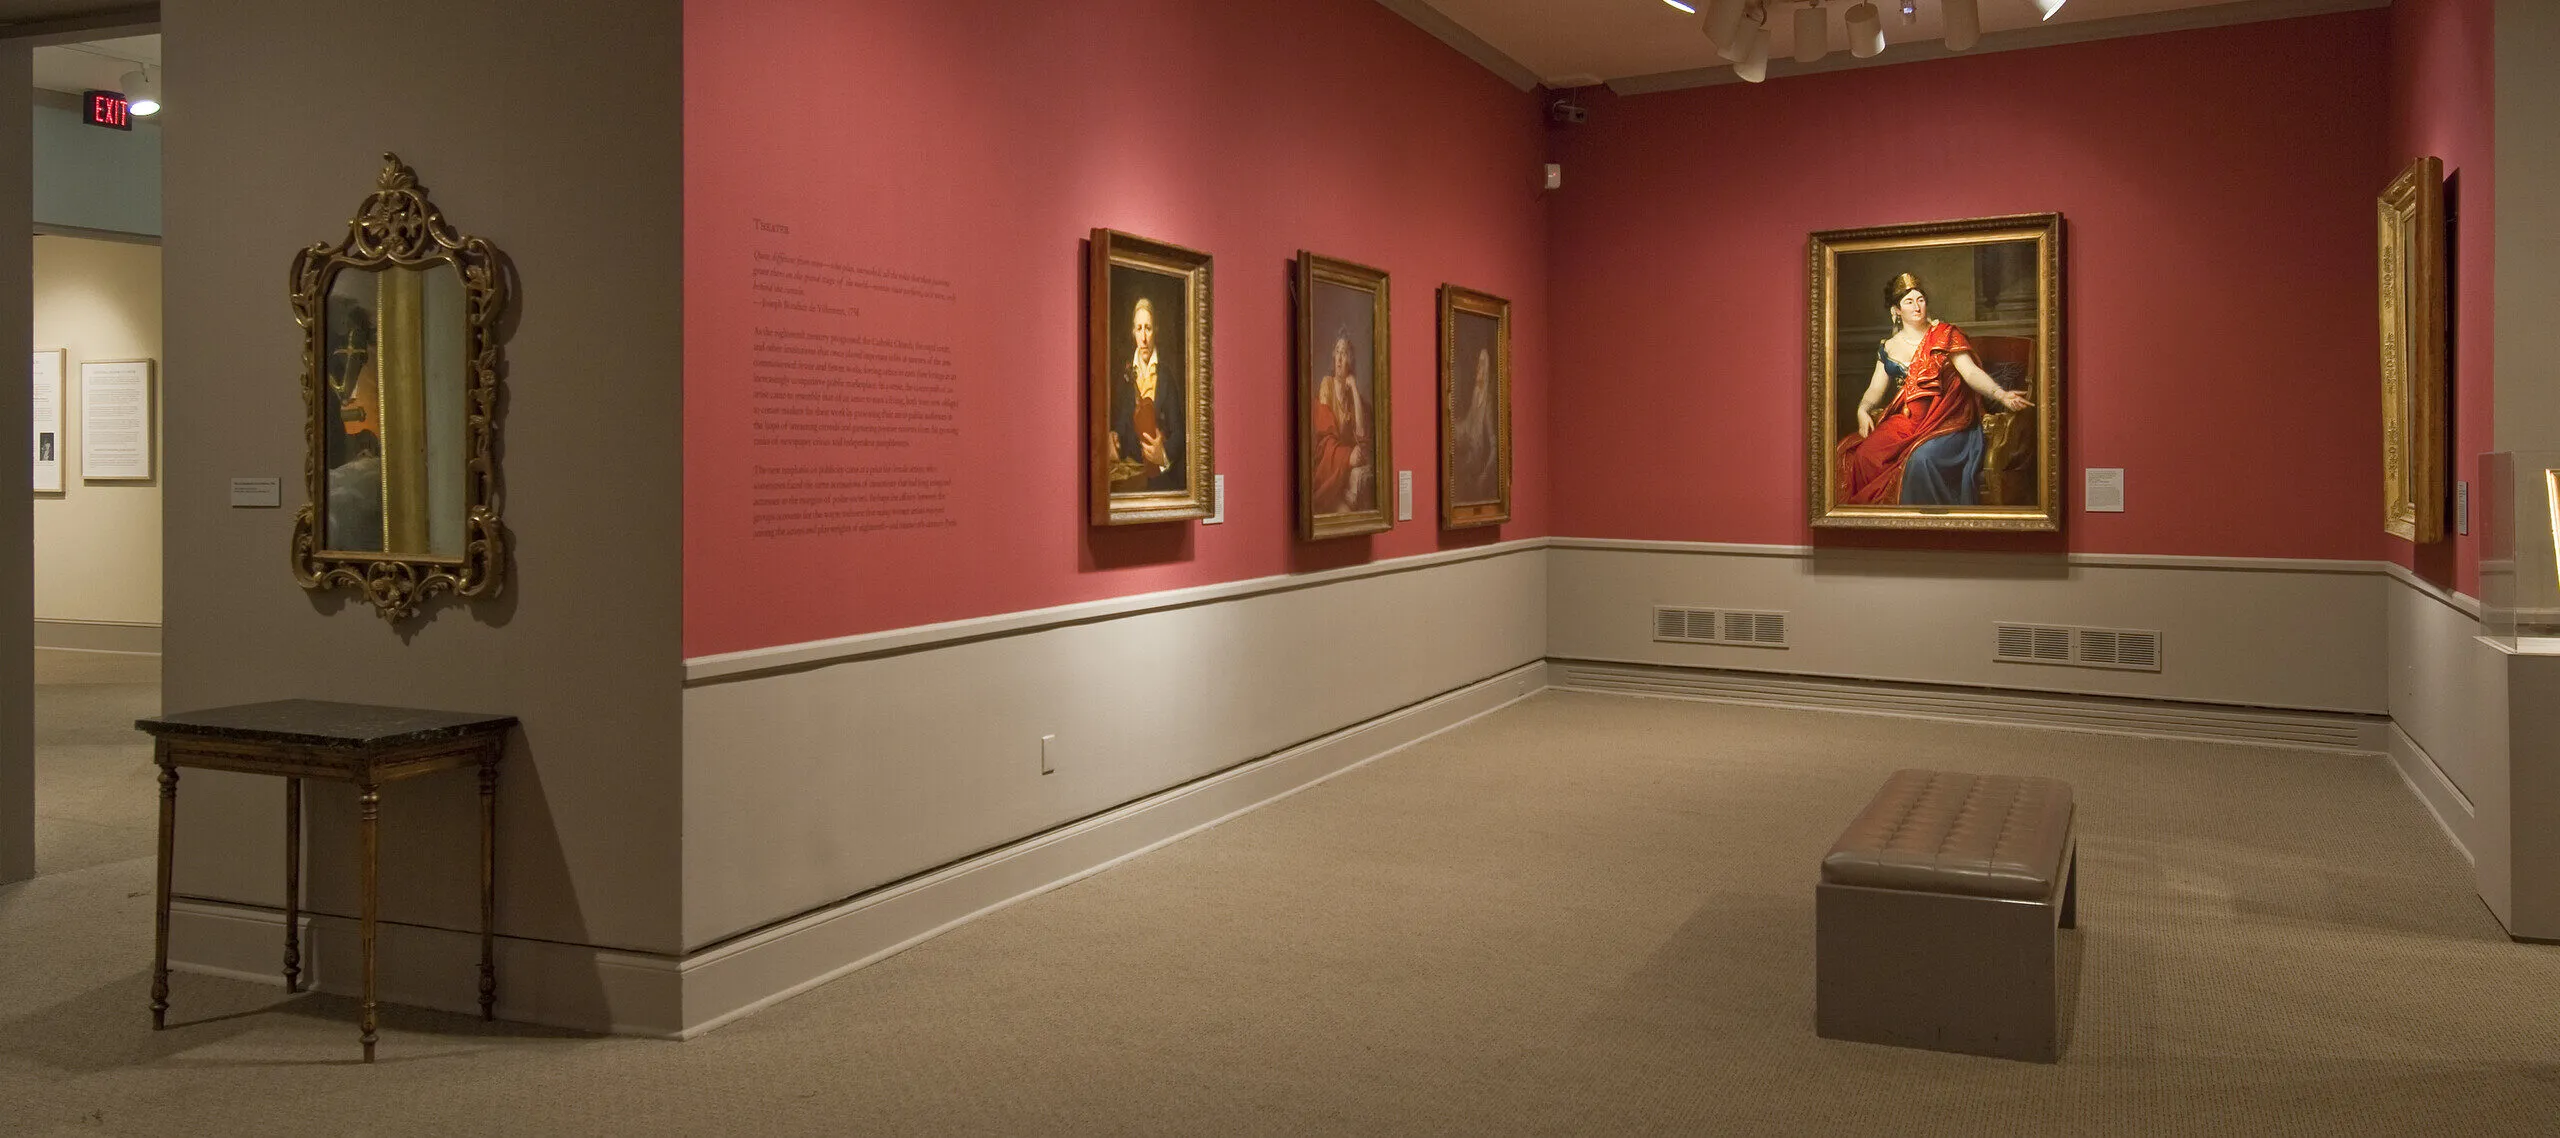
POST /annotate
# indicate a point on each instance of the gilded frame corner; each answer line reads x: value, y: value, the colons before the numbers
x: 1312, y: 270
x: 397, y: 225
x: 1455, y: 300
x: 2409, y: 246
x: 1822, y: 266
x: 1108, y: 507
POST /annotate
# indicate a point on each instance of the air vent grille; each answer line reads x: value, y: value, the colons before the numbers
x: 1720, y: 626
x: 2132, y: 649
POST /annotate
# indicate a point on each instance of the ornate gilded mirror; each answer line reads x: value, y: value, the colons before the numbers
x: 400, y: 368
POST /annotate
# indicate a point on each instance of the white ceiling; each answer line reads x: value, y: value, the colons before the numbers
x: 1568, y: 43
x: 95, y: 65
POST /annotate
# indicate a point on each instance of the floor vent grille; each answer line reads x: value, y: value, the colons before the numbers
x: 1720, y: 626
x: 2128, y: 649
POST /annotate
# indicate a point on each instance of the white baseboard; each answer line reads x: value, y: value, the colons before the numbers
x: 98, y: 636
x: 2326, y: 731
x: 2451, y: 808
x: 605, y: 990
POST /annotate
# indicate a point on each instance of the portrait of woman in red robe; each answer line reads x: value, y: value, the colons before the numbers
x: 1919, y: 438
x: 1343, y: 480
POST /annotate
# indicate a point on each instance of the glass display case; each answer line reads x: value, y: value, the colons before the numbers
x: 2519, y: 517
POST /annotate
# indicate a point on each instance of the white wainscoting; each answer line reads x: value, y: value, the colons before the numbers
x: 847, y: 799
x: 2293, y: 635
x: 2447, y: 692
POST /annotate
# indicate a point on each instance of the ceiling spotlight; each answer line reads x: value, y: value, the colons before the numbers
x: 1910, y: 11
x: 1754, y: 64
x: 1724, y: 26
x: 1866, y: 31
x: 1813, y: 38
x: 1755, y: 23
x: 1683, y: 7
x: 142, y: 91
x: 1963, y: 24
x: 2046, y: 8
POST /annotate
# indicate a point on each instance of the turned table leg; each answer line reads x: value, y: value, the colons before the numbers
x: 369, y: 801
x: 292, y: 885
x: 489, y: 886
x: 160, y: 929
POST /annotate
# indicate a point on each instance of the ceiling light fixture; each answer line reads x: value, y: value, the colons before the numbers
x: 1813, y: 36
x: 1963, y: 24
x: 2046, y: 8
x: 142, y: 91
x: 1910, y: 11
x: 1753, y: 26
x: 1724, y: 26
x: 1754, y: 64
x: 1682, y: 7
x: 1866, y: 31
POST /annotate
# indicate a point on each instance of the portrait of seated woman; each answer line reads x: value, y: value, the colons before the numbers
x: 1919, y: 438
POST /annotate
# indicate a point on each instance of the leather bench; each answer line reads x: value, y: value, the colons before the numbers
x: 1936, y: 922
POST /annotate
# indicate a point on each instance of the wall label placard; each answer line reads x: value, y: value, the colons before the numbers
x: 2105, y: 493
x: 115, y: 421
x: 44, y: 443
x: 257, y: 493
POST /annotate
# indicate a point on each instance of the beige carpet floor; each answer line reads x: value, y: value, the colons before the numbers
x: 1583, y: 914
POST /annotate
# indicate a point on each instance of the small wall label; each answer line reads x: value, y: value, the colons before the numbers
x: 2105, y: 491
x: 256, y: 493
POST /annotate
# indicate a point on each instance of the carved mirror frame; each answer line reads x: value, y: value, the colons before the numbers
x: 398, y: 227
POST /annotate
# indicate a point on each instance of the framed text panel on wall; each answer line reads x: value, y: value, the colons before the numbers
x: 115, y: 421
x: 45, y: 441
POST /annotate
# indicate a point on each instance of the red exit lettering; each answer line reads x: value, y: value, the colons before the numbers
x: 108, y: 109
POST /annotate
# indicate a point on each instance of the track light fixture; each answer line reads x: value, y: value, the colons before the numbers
x: 1754, y: 64
x: 1963, y: 24
x: 1813, y: 36
x: 2046, y: 8
x: 1724, y: 24
x: 142, y: 91
x: 1866, y: 30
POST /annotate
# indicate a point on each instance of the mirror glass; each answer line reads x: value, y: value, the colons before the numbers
x: 397, y: 368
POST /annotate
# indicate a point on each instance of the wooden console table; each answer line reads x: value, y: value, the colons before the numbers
x: 344, y: 742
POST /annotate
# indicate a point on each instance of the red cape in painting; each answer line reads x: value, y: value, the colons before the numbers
x: 1934, y: 401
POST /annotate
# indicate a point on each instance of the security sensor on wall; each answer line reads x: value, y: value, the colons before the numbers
x: 1555, y: 175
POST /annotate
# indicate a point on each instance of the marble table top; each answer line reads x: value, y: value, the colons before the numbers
x: 320, y: 723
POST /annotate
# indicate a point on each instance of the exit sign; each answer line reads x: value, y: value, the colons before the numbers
x: 107, y: 109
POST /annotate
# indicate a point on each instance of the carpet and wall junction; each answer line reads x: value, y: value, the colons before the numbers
x: 1582, y: 914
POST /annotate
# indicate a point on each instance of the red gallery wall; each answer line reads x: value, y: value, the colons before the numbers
x: 2442, y: 103
x: 2218, y: 187
x: 929, y: 172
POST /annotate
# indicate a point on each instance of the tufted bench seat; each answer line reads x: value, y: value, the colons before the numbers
x: 1935, y: 924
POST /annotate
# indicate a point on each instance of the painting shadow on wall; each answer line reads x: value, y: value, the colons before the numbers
x: 1886, y: 553
x: 1329, y: 553
x: 1126, y: 547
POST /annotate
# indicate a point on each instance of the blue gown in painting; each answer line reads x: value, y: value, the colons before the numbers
x: 1944, y: 471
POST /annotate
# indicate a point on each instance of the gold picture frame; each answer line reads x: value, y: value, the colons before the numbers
x: 2409, y: 239
x: 1147, y: 463
x: 1475, y: 438
x: 1974, y: 443
x: 1346, y: 400
x: 434, y: 344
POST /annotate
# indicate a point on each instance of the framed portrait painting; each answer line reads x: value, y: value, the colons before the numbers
x: 1149, y: 449
x: 1475, y: 408
x: 1933, y: 363
x: 2410, y: 240
x: 1345, y: 396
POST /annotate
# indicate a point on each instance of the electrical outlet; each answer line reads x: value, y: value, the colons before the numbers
x: 1048, y: 754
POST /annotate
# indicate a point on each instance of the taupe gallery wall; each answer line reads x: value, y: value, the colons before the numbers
x: 554, y: 130
x: 17, y: 591
x: 97, y: 566
x: 2528, y: 220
